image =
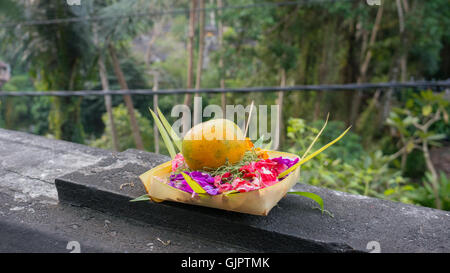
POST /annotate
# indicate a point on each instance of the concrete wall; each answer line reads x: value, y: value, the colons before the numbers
x: 90, y: 204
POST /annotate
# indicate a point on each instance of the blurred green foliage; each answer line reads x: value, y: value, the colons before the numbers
x: 301, y: 135
x: 125, y: 136
x: 415, y: 129
x: 425, y: 196
x: 423, y: 118
x: 346, y: 166
x: 28, y: 114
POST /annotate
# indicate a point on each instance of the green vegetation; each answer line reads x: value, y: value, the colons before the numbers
x: 123, y: 130
x: 361, y: 172
x: 388, y: 152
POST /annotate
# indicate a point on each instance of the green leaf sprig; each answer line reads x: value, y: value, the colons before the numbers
x: 165, y: 130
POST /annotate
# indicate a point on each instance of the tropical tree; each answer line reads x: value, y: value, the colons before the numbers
x: 58, y: 58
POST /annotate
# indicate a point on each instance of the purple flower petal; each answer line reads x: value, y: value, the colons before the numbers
x: 286, y: 161
x: 204, y: 180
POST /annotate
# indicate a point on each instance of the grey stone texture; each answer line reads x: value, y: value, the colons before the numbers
x: 90, y: 204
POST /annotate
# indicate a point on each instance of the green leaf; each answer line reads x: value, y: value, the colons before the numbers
x: 193, y: 184
x: 164, y: 135
x: 426, y: 110
x: 230, y: 192
x: 286, y: 172
x: 437, y: 137
x: 312, y: 196
x: 176, y: 139
x: 408, y: 188
x: 259, y: 142
x: 317, y: 137
x: 409, y: 146
x: 409, y: 103
x: 268, y: 145
x: 144, y: 197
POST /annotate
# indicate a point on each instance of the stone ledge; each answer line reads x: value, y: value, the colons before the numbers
x: 30, y: 164
x: 33, y: 227
x: 31, y: 220
x: 292, y: 226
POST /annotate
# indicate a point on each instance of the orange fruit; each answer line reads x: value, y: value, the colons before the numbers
x: 211, y: 144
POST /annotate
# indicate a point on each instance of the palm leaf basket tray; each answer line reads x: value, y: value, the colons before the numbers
x: 256, y: 202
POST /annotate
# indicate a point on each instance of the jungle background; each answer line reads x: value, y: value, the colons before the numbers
x: 398, y: 148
